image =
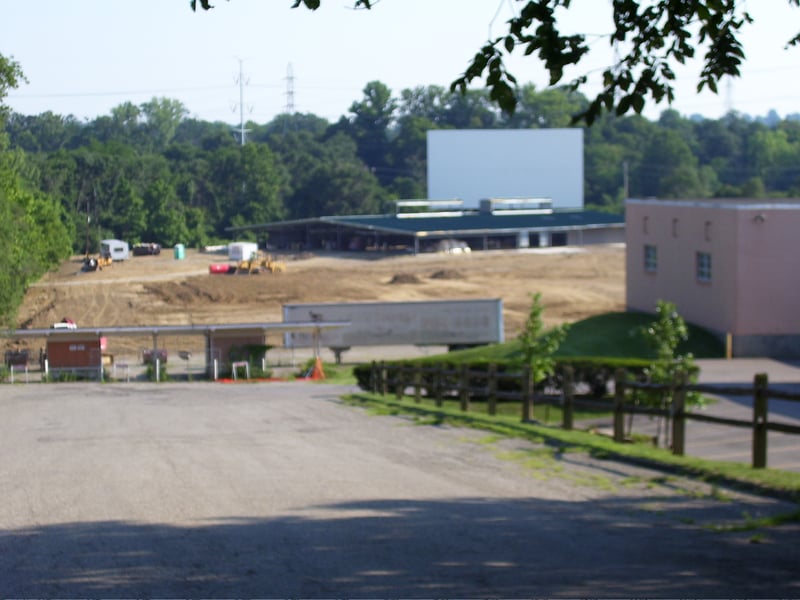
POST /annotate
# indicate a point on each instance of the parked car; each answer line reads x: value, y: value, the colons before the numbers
x: 146, y: 249
x: 453, y: 247
x: 65, y: 323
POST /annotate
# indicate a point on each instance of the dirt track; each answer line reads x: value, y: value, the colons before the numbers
x: 158, y: 290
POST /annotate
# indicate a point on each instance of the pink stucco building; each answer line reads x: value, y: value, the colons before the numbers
x: 731, y: 266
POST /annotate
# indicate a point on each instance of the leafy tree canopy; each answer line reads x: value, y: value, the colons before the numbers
x: 33, y: 235
x: 654, y: 37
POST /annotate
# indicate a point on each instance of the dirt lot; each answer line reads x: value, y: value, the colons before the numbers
x: 158, y: 290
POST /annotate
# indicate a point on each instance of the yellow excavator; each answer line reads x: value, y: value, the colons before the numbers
x: 260, y: 262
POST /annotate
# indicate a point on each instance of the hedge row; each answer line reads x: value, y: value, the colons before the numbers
x: 592, y: 375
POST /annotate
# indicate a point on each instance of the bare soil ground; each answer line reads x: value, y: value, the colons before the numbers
x: 158, y: 290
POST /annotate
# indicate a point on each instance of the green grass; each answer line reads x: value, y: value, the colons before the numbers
x: 543, y: 413
x: 612, y: 335
x: 784, y: 484
x: 750, y: 523
x: 617, y: 335
x: 338, y: 374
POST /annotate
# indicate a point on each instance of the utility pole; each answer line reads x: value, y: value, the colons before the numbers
x: 242, y: 131
x: 625, y: 188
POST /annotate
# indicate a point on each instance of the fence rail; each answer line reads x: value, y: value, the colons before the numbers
x: 441, y: 382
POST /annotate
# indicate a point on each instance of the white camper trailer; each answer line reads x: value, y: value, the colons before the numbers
x: 114, y: 249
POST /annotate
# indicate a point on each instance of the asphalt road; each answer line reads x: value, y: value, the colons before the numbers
x: 733, y: 444
x: 183, y: 490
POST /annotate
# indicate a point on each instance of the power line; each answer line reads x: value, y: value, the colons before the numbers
x: 117, y: 93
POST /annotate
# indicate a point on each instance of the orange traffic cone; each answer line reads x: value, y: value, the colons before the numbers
x: 318, y: 372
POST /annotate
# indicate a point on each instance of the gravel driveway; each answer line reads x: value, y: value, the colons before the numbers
x: 278, y: 489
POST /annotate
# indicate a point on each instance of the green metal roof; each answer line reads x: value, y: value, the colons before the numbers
x: 470, y: 223
x: 480, y: 223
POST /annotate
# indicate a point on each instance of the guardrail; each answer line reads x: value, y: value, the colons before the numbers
x: 464, y: 383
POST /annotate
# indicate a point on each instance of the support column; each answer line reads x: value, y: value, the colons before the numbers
x: 544, y: 239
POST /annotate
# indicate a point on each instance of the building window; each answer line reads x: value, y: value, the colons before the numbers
x: 708, y: 231
x: 650, y: 258
x: 703, y: 266
x: 644, y: 225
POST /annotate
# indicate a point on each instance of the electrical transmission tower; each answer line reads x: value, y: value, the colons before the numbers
x: 728, y: 94
x: 242, y: 131
x: 289, y: 90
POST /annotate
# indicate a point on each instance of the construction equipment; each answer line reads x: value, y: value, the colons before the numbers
x: 273, y: 266
x: 95, y: 262
x: 259, y: 262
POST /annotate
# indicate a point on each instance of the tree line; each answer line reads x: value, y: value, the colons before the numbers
x: 148, y: 172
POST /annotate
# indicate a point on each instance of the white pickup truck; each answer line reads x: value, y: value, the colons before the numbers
x: 65, y: 323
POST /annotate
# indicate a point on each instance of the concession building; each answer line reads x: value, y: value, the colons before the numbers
x: 728, y: 265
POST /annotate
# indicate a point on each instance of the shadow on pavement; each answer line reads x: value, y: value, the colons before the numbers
x: 465, y: 547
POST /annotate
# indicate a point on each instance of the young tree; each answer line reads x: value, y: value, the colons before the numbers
x: 539, y: 344
x: 663, y: 336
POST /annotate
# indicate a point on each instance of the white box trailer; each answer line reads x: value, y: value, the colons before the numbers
x: 115, y: 249
x: 451, y: 323
x: 242, y: 250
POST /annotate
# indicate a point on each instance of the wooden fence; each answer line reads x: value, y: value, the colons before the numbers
x: 464, y: 383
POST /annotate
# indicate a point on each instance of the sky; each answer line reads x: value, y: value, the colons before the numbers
x: 84, y: 57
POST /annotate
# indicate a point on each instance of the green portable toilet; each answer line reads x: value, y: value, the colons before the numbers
x: 180, y: 252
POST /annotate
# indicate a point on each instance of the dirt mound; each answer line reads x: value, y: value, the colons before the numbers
x: 403, y: 278
x: 448, y: 274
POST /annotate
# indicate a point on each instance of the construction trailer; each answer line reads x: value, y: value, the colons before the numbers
x: 239, y: 251
x: 114, y: 249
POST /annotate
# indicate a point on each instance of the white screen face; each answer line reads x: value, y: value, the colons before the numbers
x: 472, y: 164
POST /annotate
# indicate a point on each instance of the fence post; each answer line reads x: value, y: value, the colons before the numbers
x: 568, y: 392
x: 619, y: 405
x: 527, y: 393
x: 463, y: 391
x: 760, y: 412
x: 384, y: 380
x: 399, y: 382
x: 373, y: 378
x: 417, y: 383
x: 492, y: 391
x: 437, y: 386
x: 679, y: 414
